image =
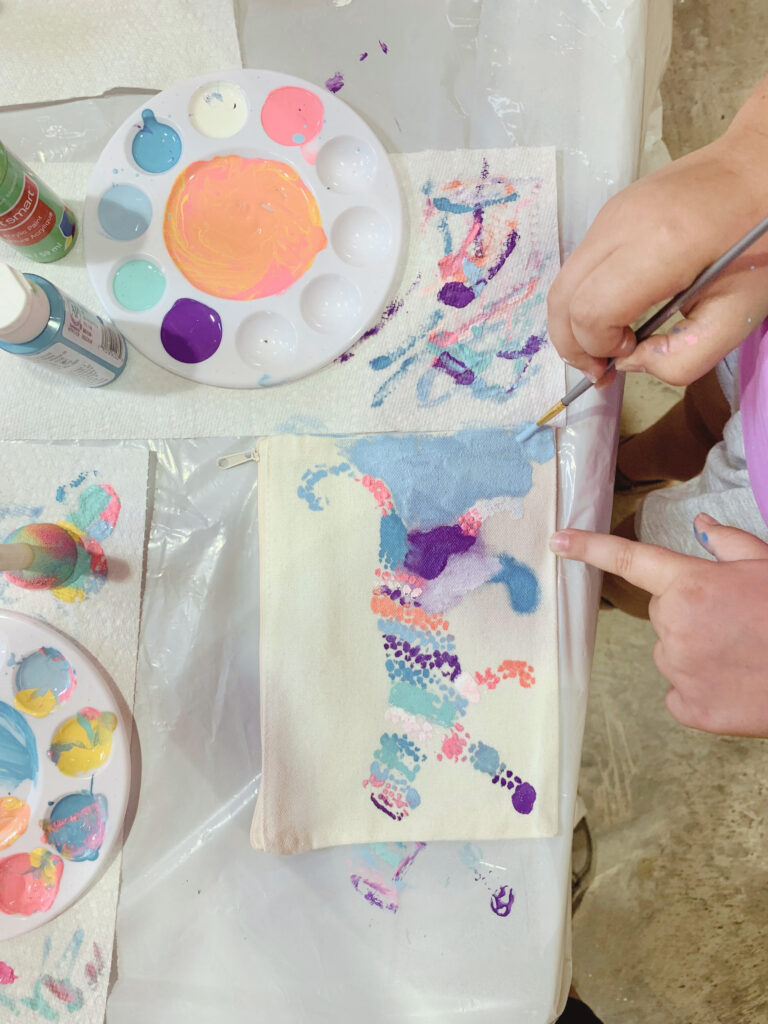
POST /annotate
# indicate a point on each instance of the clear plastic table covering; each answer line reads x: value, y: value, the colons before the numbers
x: 207, y: 929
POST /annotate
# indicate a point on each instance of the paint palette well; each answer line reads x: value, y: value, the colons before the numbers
x: 64, y: 772
x: 243, y: 229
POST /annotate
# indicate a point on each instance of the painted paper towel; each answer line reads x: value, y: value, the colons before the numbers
x: 61, y: 970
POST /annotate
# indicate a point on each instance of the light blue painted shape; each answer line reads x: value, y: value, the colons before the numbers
x: 18, y: 749
x: 434, y: 480
x: 521, y: 583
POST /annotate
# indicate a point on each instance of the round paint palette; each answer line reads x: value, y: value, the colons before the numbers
x: 243, y: 229
x: 64, y: 772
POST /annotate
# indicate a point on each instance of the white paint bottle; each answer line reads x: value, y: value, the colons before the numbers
x: 40, y: 323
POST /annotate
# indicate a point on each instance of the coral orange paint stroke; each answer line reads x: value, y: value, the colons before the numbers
x: 411, y: 615
x: 242, y: 228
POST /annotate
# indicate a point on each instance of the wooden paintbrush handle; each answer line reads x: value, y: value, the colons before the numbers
x: 15, y: 557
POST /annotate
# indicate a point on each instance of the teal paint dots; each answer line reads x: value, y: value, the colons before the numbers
x: 156, y: 146
x: 125, y: 212
x: 138, y: 285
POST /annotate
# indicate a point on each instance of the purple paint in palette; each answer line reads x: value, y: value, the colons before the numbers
x: 191, y: 331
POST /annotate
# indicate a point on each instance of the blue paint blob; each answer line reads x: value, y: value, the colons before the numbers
x: 125, y: 212
x: 393, y: 542
x: 18, y: 749
x: 485, y: 758
x: 701, y: 537
x: 76, y: 824
x: 156, y: 146
x: 45, y: 672
x: 447, y: 206
x: 521, y: 584
x: 298, y: 138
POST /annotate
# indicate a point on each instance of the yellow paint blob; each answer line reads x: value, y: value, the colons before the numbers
x: 49, y: 867
x: 14, y: 818
x: 35, y: 703
x: 242, y: 228
x: 83, y: 743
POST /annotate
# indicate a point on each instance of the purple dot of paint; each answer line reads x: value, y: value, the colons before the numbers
x: 335, y: 82
x: 523, y: 798
x: 456, y: 294
x: 191, y: 331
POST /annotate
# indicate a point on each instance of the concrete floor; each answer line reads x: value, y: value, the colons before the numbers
x: 674, y: 929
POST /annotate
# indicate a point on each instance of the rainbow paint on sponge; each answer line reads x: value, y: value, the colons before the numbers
x: 54, y: 558
x: 67, y: 557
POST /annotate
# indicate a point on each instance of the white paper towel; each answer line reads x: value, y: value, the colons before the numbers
x: 76, y: 947
x: 61, y: 49
x: 387, y: 384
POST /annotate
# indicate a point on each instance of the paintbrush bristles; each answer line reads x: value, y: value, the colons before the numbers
x: 554, y: 411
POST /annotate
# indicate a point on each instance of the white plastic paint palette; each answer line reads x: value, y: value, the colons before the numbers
x: 243, y: 229
x: 58, y: 829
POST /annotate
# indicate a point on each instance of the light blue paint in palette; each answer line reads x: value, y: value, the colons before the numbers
x: 125, y: 212
x: 139, y: 285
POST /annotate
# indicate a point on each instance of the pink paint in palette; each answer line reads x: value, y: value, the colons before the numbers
x: 245, y: 229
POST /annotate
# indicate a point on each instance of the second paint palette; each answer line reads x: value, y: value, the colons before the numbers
x: 243, y: 229
x: 64, y: 772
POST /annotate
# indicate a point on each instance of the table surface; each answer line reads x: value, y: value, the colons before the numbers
x: 207, y: 929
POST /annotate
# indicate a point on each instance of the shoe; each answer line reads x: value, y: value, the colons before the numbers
x: 622, y: 484
x: 581, y: 863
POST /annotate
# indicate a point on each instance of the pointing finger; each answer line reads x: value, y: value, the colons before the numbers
x: 644, y: 565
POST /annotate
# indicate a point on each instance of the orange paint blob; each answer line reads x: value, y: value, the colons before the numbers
x: 14, y: 818
x: 242, y: 228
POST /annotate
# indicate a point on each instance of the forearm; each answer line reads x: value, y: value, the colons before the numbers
x: 745, y: 145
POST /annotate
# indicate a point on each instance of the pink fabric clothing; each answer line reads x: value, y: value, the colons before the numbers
x: 753, y: 382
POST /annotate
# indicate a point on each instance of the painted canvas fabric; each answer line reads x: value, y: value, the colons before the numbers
x: 408, y: 639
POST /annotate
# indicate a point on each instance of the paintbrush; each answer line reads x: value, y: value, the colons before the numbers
x: 657, y: 320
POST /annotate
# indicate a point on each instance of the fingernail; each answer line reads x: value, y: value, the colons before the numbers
x: 707, y: 519
x: 592, y: 377
x: 662, y: 347
x: 559, y: 542
x: 627, y: 342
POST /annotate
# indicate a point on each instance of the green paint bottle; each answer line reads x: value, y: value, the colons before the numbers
x: 32, y: 218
